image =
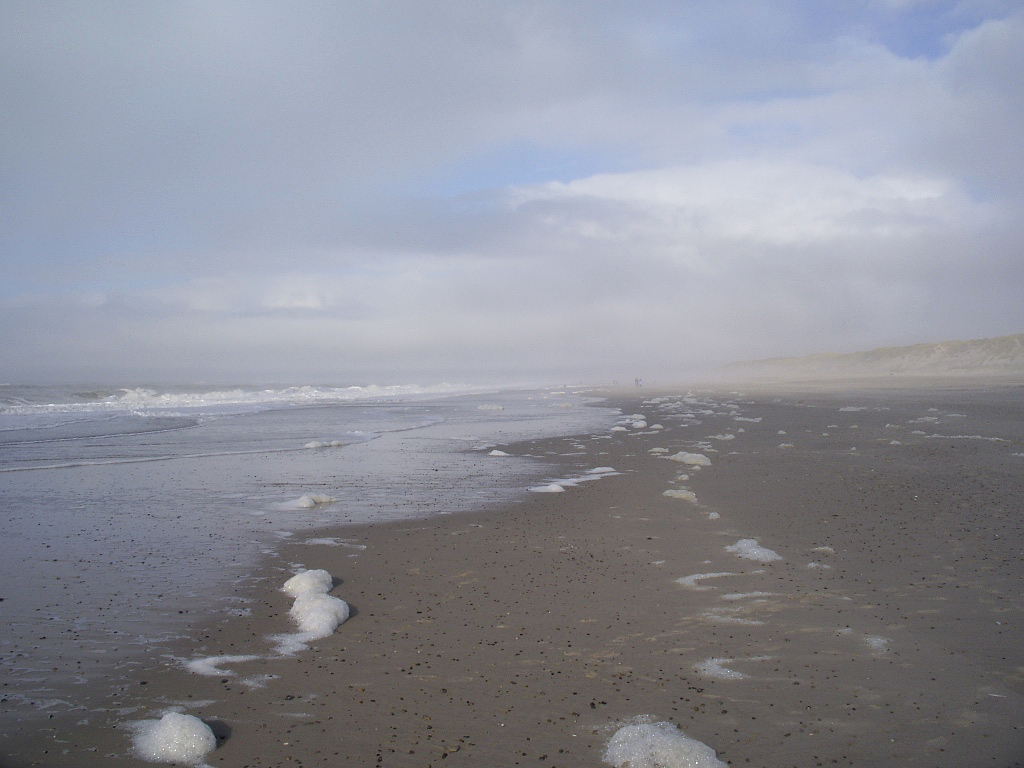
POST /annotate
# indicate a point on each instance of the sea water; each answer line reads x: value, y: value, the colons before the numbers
x: 128, y: 513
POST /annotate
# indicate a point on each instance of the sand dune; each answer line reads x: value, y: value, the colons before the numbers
x: 1002, y: 356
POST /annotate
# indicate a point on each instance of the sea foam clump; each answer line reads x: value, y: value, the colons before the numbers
x: 174, y: 738
x: 549, y: 488
x: 681, y: 493
x: 314, y: 444
x: 302, y: 583
x: 311, y: 500
x: 658, y: 745
x: 307, y: 501
x: 691, y: 459
x: 316, y: 613
x: 751, y: 550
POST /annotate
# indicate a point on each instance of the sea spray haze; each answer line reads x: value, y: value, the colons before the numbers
x: 128, y: 512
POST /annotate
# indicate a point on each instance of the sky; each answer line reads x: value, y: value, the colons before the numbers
x: 554, y: 191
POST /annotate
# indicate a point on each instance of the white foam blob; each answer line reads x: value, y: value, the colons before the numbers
x: 317, y: 580
x: 174, y: 738
x: 312, y: 444
x: 681, y: 493
x: 726, y: 436
x: 309, y: 501
x: 658, y: 745
x: 713, y: 515
x: 318, y: 615
x: 496, y: 452
x: 549, y: 488
x: 691, y: 459
x: 751, y: 550
x: 658, y: 450
x: 786, y: 445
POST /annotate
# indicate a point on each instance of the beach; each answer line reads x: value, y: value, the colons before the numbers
x: 834, y: 578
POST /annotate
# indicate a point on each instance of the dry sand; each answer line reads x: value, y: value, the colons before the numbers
x: 891, y: 632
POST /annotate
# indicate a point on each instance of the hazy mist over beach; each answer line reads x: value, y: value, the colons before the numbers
x: 550, y: 383
x: 408, y: 192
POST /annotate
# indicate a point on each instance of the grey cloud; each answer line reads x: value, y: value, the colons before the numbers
x: 250, y: 185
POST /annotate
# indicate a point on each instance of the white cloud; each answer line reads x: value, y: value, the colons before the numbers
x: 768, y: 202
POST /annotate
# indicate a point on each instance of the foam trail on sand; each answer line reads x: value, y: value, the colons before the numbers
x: 658, y: 745
x: 332, y: 541
x: 730, y: 616
x: 690, y: 582
x: 560, y: 485
x: 210, y: 666
x: 316, y: 613
x: 966, y: 437
x: 174, y: 738
x: 549, y: 488
x: 748, y: 595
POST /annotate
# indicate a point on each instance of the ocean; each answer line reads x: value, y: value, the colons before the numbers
x: 128, y: 513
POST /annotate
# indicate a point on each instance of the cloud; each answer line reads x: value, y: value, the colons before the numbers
x: 549, y: 189
x: 777, y: 203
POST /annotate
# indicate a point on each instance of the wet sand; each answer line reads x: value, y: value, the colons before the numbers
x: 891, y: 632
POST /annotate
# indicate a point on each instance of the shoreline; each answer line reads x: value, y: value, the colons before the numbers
x: 524, y: 634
